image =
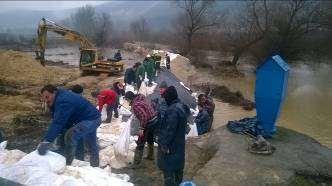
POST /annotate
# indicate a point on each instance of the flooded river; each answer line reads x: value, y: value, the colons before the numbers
x: 308, y: 104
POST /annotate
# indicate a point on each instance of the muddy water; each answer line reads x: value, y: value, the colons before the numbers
x: 308, y: 104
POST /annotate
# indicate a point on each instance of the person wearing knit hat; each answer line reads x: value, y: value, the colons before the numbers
x: 171, y: 138
x: 78, y: 89
x: 170, y: 95
x: 162, y: 88
x: 158, y: 102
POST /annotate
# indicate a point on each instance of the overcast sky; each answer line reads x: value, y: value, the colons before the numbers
x: 44, y: 5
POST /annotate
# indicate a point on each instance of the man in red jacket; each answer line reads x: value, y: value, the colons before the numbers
x: 108, y: 97
x: 147, y: 117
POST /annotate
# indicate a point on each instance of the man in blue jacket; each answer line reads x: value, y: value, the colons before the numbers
x: 202, y: 120
x: 171, y: 139
x: 117, y: 56
x: 70, y: 110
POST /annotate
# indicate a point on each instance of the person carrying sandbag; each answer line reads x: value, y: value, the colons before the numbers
x: 70, y: 110
x: 144, y: 112
x: 107, y: 97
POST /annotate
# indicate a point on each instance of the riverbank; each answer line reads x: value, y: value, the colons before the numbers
x: 211, y: 159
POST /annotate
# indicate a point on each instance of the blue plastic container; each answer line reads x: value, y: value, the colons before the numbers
x: 270, y: 90
x: 187, y: 183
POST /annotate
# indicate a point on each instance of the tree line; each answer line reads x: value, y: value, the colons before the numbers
x: 253, y: 28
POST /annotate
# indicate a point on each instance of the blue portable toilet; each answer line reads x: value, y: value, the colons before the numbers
x: 270, y: 91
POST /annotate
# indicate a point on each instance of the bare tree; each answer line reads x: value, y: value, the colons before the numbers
x: 84, y: 20
x: 292, y: 21
x: 197, y: 15
x: 103, y: 29
x: 262, y: 27
x: 140, y: 29
x: 245, y: 27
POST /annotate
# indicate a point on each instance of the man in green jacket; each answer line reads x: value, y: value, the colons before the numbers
x: 140, y: 74
x: 150, y: 68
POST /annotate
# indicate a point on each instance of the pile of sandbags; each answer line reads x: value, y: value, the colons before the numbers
x: 51, y: 169
x: 116, y: 147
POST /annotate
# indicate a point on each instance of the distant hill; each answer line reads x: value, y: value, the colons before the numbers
x: 159, y: 14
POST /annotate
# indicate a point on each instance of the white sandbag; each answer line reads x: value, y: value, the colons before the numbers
x: 55, y: 162
x: 9, y: 157
x: 64, y: 180
x: 41, y: 178
x: 172, y: 56
x: 79, y: 163
x: 130, y: 88
x: 3, y: 145
x: 28, y: 175
x: 146, y: 80
x: 34, y: 169
x: 103, y: 112
x: 105, y: 156
x: 193, y: 131
x: 122, y: 145
x: 143, y: 89
x: 124, y: 111
x: 194, y: 112
x: 95, y: 176
x: 146, y: 90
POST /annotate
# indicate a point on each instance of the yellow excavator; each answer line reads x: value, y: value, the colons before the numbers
x: 89, y: 59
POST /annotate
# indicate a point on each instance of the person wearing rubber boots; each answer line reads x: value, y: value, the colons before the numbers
x: 168, y: 62
x: 171, y: 139
x: 108, y: 97
x: 147, y: 117
x: 70, y: 110
x: 60, y: 140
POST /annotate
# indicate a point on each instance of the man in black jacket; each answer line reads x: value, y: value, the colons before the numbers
x: 171, y: 139
x: 130, y: 74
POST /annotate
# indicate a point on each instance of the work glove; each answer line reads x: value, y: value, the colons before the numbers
x: 43, y: 147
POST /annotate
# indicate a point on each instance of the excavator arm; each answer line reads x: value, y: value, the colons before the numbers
x: 47, y: 25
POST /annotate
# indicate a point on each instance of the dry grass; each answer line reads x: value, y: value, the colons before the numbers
x: 22, y: 70
x: 13, y: 105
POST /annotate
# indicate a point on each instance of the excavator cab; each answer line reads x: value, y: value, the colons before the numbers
x: 87, y: 57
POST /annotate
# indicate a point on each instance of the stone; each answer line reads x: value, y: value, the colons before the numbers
x: 221, y: 157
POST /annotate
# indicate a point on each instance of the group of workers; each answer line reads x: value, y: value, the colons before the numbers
x: 162, y: 120
x: 150, y: 67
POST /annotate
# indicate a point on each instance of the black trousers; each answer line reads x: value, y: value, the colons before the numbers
x: 168, y: 65
x: 173, y: 178
x: 148, y: 137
